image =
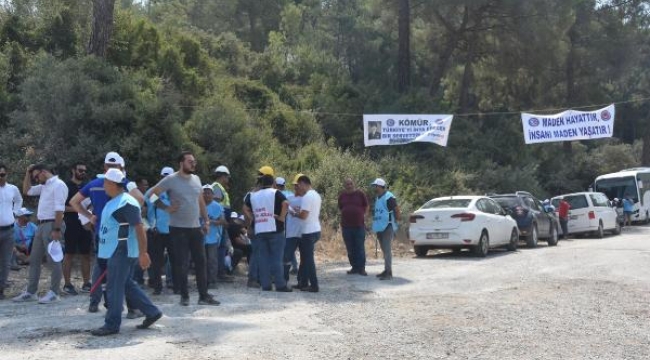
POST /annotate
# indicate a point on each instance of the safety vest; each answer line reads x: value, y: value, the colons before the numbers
x: 226, y: 199
x: 383, y: 217
x: 110, y: 230
x: 263, y: 206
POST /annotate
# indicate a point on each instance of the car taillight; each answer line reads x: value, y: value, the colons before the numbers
x: 414, y: 218
x: 464, y: 216
x: 592, y: 215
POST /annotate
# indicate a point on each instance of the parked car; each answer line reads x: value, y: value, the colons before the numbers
x: 533, y: 220
x: 458, y: 222
x: 591, y: 213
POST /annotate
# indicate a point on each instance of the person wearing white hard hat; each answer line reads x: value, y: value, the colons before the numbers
x: 123, y: 244
x: 12, y: 202
x: 222, y: 181
x: 158, y: 234
x: 94, y: 190
x: 53, y: 193
x: 384, y: 224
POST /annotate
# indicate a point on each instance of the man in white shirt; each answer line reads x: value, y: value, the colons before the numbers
x: 10, y: 202
x: 310, y: 214
x: 53, y: 194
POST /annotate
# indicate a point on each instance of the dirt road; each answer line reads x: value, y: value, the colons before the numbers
x: 585, y: 299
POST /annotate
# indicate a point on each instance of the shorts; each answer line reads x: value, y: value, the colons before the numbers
x: 78, y: 240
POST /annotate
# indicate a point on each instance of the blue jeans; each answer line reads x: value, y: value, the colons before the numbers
x: 307, y: 271
x: 120, y: 283
x: 271, y: 252
x: 354, y: 238
x: 253, y: 264
x: 290, y: 247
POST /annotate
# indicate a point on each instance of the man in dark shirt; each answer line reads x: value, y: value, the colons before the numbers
x: 353, y: 205
x: 267, y: 208
x: 78, y: 240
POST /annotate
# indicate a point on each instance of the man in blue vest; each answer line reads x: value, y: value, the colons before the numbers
x: 384, y: 223
x: 123, y: 242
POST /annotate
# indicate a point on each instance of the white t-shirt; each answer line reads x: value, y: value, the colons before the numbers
x: 311, y: 202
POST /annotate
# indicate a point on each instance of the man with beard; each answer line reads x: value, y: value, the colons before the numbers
x: 186, y: 209
x: 78, y: 240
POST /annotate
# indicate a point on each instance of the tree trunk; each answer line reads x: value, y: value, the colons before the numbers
x: 102, y: 27
x: 645, y: 150
x: 404, y: 55
x: 468, y: 73
x: 454, y: 37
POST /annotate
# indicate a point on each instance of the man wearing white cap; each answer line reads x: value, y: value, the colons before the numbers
x: 185, y: 229
x: 10, y: 201
x: 222, y: 177
x: 53, y: 194
x: 214, y: 237
x: 122, y: 243
x: 158, y: 232
x: 384, y: 223
x: 94, y: 190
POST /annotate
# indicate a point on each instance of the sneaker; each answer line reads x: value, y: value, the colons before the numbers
x: 102, y: 331
x: 49, y: 298
x: 93, y: 308
x: 24, y: 297
x: 148, y: 321
x: 86, y: 287
x: 387, y: 276
x: 185, y: 301
x: 134, y: 314
x: 70, y: 290
x: 209, y: 300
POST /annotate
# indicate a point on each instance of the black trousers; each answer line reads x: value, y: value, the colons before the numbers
x: 189, y: 241
x: 157, y: 245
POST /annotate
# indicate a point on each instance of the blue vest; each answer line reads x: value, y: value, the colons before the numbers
x: 109, y: 233
x: 383, y: 217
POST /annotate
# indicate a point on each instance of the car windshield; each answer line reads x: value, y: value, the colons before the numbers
x: 617, y: 188
x: 447, y: 203
x: 508, y: 202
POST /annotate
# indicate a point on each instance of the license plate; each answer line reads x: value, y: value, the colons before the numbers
x: 437, y: 236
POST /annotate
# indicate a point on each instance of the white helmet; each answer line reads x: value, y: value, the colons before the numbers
x: 222, y: 169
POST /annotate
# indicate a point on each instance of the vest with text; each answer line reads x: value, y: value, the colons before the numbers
x: 110, y: 230
x: 263, y: 206
x: 383, y: 217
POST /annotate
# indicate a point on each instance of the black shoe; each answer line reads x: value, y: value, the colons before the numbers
x: 148, y: 321
x: 363, y: 272
x: 102, y: 331
x: 353, y: 271
x: 93, y: 308
x: 209, y: 300
x: 157, y: 291
x: 311, y: 289
x: 284, y: 289
x: 387, y: 276
x: 267, y: 289
x: 381, y: 274
x: 185, y: 301
x: 85, y: 288
x: 253, y: 284
x: 70, y: 290
x: 299, y: 286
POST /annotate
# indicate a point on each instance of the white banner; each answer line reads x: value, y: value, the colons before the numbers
x: 405, y: 129
x: 569, y: 125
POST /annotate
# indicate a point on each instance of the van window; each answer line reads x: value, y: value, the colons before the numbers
x: 577, y: 201
x: 599, y: 200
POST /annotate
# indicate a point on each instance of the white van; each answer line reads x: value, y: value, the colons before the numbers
x: 590, y: 213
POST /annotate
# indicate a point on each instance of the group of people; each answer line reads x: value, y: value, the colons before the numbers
x: 178, y: 225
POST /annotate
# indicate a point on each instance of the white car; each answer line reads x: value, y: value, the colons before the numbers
x: 590, y: 213
x: 459, y: 222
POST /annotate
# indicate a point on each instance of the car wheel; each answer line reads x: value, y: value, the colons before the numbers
x: 420, y: 251
x: 532, y: 239
x: 600, y: 233
x: 617, y: 229
x: 552, y: 241
x: 514, y: 240
x: 481, y: 250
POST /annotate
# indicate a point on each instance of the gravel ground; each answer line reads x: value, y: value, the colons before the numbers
x: 585, y: 299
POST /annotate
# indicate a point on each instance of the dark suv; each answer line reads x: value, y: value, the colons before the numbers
x: 534, y: 221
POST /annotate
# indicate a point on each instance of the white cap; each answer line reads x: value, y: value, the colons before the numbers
x: 280, y: 181
x: 113, y: 158
x: 114, y: 175
x: 234, y: 215
x: 23, y: 212
x: 166, y: 171
x: 222, y: 169
x: 208, y: 187
x: 379, y: 182
x: 55, y: 250
x: 241, y: 217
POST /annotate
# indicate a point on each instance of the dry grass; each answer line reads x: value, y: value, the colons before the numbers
x: 331, y: 247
